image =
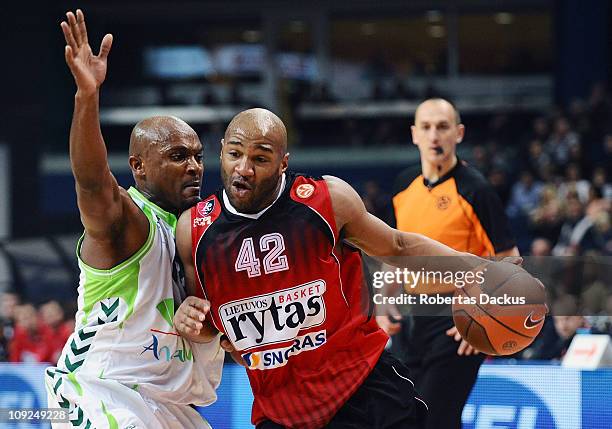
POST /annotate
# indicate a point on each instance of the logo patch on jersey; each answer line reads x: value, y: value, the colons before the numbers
x: 202, y: 221
x: 207, y: 208
x: 166, y: 350
x: 305, y: 190
x: 274, y: 317
x: 275, y: 358
x: 443, y: 202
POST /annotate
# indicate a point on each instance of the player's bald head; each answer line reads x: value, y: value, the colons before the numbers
x: 259, y: 123
x: 157, y: 130
x: 438, y: 104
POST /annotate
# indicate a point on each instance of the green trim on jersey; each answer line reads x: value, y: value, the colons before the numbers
x: 166, y: 309
x: 167, y: 217
x: 120, y: 281
x: 112, y: 422
x: 75, y: 383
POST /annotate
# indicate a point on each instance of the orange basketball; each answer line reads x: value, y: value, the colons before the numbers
x: 503, y: 314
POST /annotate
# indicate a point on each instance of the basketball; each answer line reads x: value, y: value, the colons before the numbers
x: 504, y: 313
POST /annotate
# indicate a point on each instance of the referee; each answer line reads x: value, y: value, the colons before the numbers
x: 451, y: 202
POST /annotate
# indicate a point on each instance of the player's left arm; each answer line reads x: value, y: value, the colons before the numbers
x: 379, y: 240
x: 190, y: 318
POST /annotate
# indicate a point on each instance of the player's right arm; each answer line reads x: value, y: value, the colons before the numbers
x: 190, y: 319
x: 106, y: 210
x: 97, y: 189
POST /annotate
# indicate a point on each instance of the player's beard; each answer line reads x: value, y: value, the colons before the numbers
x: 262, y: 194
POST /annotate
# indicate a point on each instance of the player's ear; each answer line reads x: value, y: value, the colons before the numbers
x: 222, y: 145
x: 413, y: 132
x: 285, y: 162
x: 460, y: 133
x: 137, y: 166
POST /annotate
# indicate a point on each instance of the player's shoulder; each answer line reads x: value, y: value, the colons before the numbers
x: 134, y: 211
x: 344, y: 198
x: 183, y: 225
x: 301, y: 186
x: 131, y: 198
x: 405, y: 178
x: 123, y: 192
x: 293, y: 177
x: 205, y: 212
x: 207, y: 205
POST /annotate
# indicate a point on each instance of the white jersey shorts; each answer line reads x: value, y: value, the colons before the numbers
x: 100, y: 403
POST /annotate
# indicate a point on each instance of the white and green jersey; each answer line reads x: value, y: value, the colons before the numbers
x: 124, y: 329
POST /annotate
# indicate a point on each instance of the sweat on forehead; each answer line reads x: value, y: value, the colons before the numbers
x: 157, y: 129
x: 258, y: 121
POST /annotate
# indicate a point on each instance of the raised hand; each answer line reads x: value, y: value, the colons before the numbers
x: 89, y: 70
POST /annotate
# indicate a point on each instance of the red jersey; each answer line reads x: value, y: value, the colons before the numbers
x: 290, y: 297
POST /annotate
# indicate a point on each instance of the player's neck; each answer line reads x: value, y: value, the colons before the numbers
x: 434, y: 171
x: 157, y: 201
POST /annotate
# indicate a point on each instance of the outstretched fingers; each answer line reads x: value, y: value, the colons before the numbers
x: 67, y: 30
x: 105, y: 46
x: 75, y: 33
x: 69, y: 56
x: 80, y: 18
x: 74, y: 28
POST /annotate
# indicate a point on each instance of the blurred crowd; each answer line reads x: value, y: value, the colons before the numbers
x: 31, y: 334
x: 561, y: 199
x: 560, y: 205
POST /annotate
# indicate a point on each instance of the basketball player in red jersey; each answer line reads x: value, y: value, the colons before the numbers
x: 267, y: 260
